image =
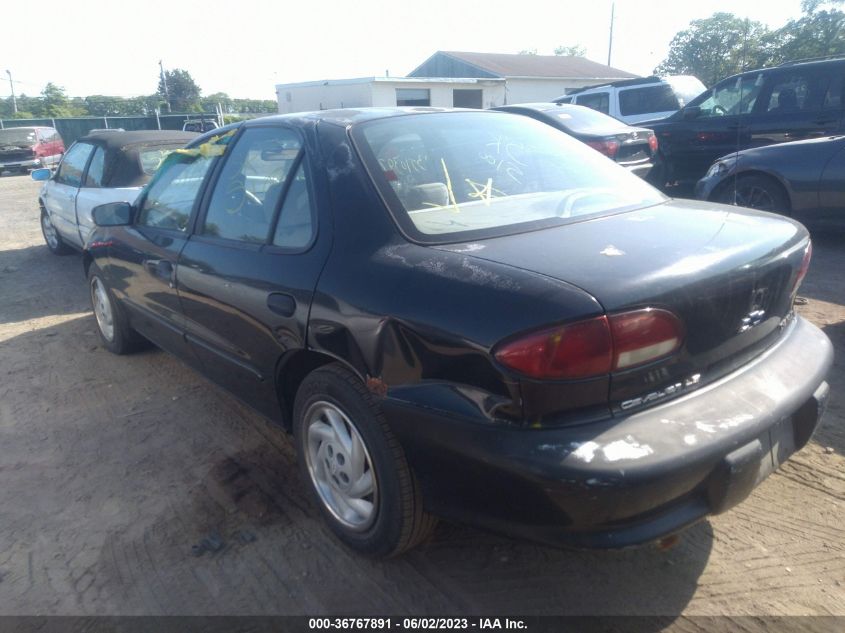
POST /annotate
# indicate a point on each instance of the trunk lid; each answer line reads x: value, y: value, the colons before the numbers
x: 728, y: 274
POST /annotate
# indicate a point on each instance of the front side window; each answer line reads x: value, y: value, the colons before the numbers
x: 731, y: 97
x: 598, y: 101
x: 251, y: 184
x: 170, y: 197
x: 73, y: 165
x: 463, y: 175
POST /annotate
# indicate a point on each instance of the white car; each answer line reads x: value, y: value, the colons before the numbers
x: 108, y: 166
x: 637, y: 100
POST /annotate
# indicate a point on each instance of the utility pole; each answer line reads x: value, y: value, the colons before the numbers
x: 12, y: 88
x: 164, y: 81
x: 610, y: 41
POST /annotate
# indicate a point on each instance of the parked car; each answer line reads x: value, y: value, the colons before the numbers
x: 802, y: 179
x: 631, y: 147
x: 100, y: 167
x: 468, y: 314
x: 759, y: 107
x: 26, y: 148
x: 637, y: 100
x: 200, y: 125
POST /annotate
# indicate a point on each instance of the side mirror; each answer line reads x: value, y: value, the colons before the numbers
x: 112, y: 214
x: 41, y: 174
x: 691, y: 112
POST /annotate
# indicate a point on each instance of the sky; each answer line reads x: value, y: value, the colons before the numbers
x: 245, y: 48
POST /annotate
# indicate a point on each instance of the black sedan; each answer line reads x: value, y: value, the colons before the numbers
x: 631, y: 147
x: 804, y: 179
x: 467, y: 314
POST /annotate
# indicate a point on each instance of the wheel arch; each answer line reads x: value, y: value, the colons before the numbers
x: 292, y: 369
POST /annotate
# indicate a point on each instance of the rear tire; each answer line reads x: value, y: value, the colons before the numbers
x: 51, y: 236
x: 112, y: 324
x: 755, y: 191
x: 355, y: 467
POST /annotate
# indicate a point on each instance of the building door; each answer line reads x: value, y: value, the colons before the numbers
x: 462, y: 98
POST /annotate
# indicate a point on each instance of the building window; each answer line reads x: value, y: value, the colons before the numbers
x: 463, y: 98
x: 413, y: 97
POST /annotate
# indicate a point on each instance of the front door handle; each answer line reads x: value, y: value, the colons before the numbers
x: 281, y: 303
x: 162, y: 269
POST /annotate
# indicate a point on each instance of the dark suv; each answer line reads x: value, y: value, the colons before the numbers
x: 760, y: 107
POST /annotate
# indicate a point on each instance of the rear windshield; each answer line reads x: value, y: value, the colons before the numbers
x: 660, y: 98
x: 581, y: 118
x: 449, y: 177
x: 19, y: 136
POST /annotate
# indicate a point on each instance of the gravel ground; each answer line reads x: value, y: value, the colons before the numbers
x: 112, y: 468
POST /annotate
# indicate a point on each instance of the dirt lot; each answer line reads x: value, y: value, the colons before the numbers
x: 111, y: 468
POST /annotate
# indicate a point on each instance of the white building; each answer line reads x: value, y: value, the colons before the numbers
x: 528, y: 78
x: 452, y: 79
x: 445, y: 92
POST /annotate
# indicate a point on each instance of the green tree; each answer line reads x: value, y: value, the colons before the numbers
x: 571, y: 51
x: 183, y: 92
x: 528, y: 51
x: 816, y: 34
x: 54, y: 102
x: 716, y: 47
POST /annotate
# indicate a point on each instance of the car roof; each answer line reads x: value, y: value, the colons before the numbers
x: 114, y: 139
x: 348, y: 116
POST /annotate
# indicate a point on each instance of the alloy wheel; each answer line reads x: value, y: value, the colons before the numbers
x: 340, y: 466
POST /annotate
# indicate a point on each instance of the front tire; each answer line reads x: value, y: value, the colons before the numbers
x: 51, y: 236
x: 755, y: 192
x: 355, y: 467
x: 112, y: 324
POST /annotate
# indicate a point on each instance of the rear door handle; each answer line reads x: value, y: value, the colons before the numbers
x: 281, y: 303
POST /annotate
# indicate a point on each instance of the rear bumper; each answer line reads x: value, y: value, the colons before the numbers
x: 631, y: 479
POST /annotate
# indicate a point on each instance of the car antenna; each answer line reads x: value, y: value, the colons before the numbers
x: 740, y: 105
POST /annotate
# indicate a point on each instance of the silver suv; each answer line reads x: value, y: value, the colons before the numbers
x: 636, y: 100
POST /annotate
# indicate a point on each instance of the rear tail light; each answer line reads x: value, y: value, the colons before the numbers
x: 608, y: 147
x: 594, y: 346
x: 805, y: 266
x: 652, y: 142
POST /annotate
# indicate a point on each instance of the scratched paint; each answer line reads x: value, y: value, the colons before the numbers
x: 626, y: 449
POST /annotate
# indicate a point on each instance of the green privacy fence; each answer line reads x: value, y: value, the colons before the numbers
x: 72, y: 129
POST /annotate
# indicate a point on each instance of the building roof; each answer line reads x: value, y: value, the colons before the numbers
x: 558, y: 66
x: 368, y: 80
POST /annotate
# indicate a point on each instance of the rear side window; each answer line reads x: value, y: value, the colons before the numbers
x: 94, y: 177
x: 796, y: 92
x: 251, y: 184
x: 598, y: 101
x: 73, y: 165
x: 648, y: 99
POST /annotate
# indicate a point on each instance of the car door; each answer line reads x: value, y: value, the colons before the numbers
x: 143, y: 256
x: 248, y: 272
x: 793, y: 107
x: 90, y: 194
x: 61, y: 191
x: 719, y: 126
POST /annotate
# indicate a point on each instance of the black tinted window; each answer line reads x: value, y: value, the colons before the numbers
x: 250, y: 185
x: 647, y: 99
x: 598, y: 101
x: 795, y: 92
x: 73, y: 164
